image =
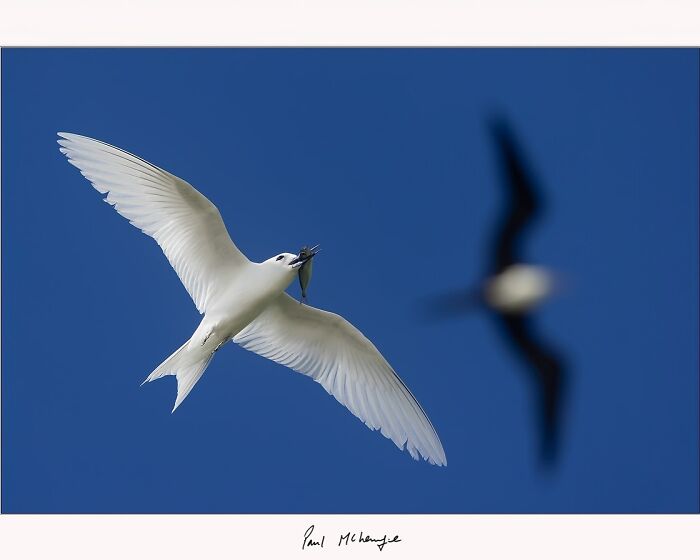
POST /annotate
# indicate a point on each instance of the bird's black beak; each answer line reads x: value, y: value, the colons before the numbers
x: 305, y: 255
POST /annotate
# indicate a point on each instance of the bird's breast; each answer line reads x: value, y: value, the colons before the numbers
x: 243, y: 301
x: 518, y: 288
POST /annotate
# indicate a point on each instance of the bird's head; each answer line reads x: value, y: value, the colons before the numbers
x: 288, y: 263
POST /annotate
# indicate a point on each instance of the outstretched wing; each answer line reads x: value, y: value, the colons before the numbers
x: 523, y: 202
x: 335, y: 354
x: 548, y: 375
x: 186, y: 225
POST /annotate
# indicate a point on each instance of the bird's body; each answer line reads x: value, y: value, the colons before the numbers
x: 250, y: 292
x: 518, y: 288
x: 246, y: 302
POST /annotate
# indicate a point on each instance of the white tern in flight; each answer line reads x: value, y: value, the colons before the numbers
x: 246, y: 301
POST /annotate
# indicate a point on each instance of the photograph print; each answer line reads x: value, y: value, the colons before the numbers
x: 350, y: 280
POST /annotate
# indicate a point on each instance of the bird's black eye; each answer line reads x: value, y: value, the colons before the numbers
x: 279, y: 258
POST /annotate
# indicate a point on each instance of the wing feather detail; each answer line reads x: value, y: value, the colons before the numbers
x: 335, y: 354
x: 184, y: 223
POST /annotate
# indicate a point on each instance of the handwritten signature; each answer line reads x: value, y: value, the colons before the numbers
x: 311, y: 541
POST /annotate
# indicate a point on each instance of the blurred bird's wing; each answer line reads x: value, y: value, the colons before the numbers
x: 335, y: 354
x: 452, y: 304
x: 186, y: 225
x: 549, y: 377
x: 523, y: 202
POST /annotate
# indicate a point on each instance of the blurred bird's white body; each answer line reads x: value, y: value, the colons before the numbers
x: 518, y: 288
x: 246, y: 302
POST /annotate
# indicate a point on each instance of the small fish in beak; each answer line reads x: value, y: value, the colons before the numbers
x: 305, y: 263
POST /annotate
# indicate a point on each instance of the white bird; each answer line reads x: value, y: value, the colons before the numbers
x: 246, y: 301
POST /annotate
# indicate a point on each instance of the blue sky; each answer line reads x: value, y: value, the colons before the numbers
x: 382, y: 153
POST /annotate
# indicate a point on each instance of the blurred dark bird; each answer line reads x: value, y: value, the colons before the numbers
x: 513, y: 289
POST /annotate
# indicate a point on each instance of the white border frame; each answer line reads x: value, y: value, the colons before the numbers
x: 350, y: 23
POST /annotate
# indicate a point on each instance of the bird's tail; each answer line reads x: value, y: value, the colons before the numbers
x: 187, y: 364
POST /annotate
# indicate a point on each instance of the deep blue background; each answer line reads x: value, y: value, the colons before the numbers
x: 378, y: 153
